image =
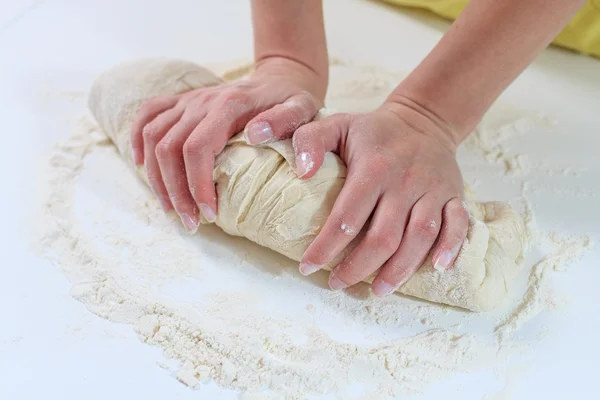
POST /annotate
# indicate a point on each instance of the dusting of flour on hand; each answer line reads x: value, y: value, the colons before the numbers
x: 130, y: 263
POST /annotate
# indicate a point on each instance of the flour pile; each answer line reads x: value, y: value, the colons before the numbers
x: 241, y: 315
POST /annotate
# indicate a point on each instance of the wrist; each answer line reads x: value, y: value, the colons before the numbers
x: 313, y: 79
x: 423, y: 119
x: 450, y: 99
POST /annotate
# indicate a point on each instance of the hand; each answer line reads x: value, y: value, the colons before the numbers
x: 402, y: 172
x: 178, y: 137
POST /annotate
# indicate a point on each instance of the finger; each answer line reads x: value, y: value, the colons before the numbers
x: 153, y: 133
x: 351, y: 210
x: 420, y: 234
x: 455, y: 224
x: 206, y: 141
x: 282, y: 120
x: 380, y: 242
x: 313, y: 140
x: 169, y: 153
x: 385, y: 232
x: 147, y: 112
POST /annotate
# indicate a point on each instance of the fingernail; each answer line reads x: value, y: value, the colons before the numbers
x: 307, y: 268
x: 189, y: 223
x: 304, y: 164
x: 381, y: 288
x: 336, y: 284
x: 208, y: 213
x: 259, y: 132
x: 443, y: 260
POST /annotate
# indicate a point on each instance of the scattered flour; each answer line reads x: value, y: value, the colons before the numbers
x: 504, y: 122
x: 236, y: 338
x: 539, y: 297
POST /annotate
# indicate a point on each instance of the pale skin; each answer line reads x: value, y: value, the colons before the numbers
x: 401, y: 157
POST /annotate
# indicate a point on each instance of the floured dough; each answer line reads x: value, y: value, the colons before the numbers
x: 261, y: 198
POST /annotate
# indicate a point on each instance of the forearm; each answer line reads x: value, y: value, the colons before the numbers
x: 486, y: 48
x: 292, y: 30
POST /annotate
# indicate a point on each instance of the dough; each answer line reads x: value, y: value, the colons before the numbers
x: 261, y: 198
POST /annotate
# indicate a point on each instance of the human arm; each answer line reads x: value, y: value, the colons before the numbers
x: 292, y: 31
x: 486, y: 48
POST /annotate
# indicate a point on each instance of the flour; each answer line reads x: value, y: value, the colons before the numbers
x: 246, y: 352
x: 518, y: 164
x: 502, y: 123
x: 268, y: 332
x: 564, y: 192
x: 539, y: 297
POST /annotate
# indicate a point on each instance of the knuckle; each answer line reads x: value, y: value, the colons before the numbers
x: 194, y: 147
x: 190, y: 117
x: 199, y: 101
x: 456, y: 211
x: 297, y: 116
x: 205, y: 97
x: 461, y: 221
x: 309, y: 100
x: 199, y: 92
x: 462, y: 211
x: 150, y: 132
x: 166, y: 148
x: 235, y: 98
x: 385, y: 242
x: 161, y: 151
x: 426, y: 228
x: 302, y: 106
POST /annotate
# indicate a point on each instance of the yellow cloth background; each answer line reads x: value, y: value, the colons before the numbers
x: 582, y: 34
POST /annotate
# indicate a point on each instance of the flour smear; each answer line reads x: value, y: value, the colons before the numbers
x: 242, y: 316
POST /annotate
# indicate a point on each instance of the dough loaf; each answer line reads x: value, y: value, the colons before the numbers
x: 261, y: 198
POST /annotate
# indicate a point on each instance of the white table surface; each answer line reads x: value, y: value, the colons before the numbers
x: 52, y: 347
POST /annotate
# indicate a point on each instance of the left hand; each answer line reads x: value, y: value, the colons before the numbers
x: 177, y: 138
x: 402, y: 171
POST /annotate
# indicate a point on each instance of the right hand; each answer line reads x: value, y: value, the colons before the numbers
x: 177, y: 138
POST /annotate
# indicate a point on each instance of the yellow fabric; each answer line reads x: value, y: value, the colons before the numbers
x: 581, y: 34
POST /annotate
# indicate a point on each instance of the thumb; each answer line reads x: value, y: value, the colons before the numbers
x: 313, y: 140
x: 280, y: 121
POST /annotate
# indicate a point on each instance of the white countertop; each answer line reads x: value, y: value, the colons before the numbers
x: 52, y: 347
